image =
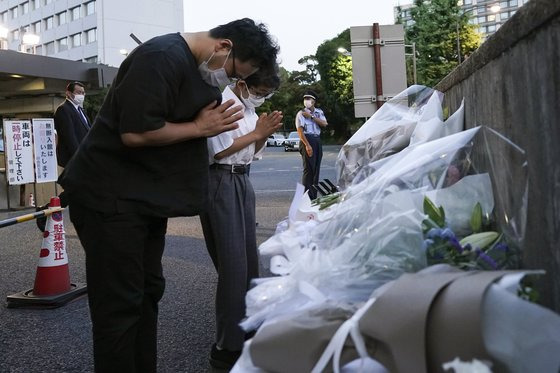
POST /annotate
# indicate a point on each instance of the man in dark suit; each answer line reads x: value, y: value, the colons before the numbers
x: 71, y: 123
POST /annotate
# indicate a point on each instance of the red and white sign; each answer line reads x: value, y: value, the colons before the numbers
x: 44, y: 142
x: 19, y: 152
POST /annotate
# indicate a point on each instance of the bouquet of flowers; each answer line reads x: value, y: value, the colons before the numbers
x: 412, y: 117
x: 446, y: 197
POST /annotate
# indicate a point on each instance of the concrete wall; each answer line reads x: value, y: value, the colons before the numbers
x: 512, y: 84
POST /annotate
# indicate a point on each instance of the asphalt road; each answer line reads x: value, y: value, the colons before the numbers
x: 59, y: 340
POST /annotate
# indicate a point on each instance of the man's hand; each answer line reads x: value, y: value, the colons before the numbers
x: 308, y: 150
x: 212, y: 121
x: 267, y: 124
x: 306, y: 114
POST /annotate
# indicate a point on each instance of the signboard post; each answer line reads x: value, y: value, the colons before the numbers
x: 378, y: 66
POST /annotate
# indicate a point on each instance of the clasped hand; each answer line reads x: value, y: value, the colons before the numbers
x: 213, y: 120
x: 267, y: 124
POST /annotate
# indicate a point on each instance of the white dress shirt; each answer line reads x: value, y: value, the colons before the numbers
x: 224, y: 140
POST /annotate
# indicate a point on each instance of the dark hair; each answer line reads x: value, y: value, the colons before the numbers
x: 267, y: 77
x: 251, y: 41
x: 70, y: 87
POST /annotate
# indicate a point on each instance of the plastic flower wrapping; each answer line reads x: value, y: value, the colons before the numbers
x: 416, y: 193
x: 410, y: 209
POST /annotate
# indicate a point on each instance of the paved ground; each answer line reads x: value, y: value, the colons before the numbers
x: 59, y: 340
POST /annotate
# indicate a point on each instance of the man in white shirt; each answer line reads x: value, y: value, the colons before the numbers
x: 229, y: 223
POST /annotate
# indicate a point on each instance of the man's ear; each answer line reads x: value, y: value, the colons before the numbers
x: 223, y: 44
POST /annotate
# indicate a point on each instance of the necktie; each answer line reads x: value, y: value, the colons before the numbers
x: 84, y: 118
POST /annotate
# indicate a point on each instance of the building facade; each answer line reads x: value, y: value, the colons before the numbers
x: 489, y: 15
x: 95, y: 31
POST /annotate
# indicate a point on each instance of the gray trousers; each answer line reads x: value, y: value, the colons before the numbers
x: 230, y: 234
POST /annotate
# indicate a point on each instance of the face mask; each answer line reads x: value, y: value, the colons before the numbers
x: 79, y: 100
x: 252, y: 101
x: 308, y: 103
x: 216, y: 78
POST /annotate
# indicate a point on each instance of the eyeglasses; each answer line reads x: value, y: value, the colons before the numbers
x: 266, y: 95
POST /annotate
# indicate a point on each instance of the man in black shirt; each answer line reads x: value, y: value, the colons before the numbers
x: 144, y: 160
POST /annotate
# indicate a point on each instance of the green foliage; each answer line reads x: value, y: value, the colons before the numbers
x: 434, y: 31
x: 289, y: 98
x: 93, y: 102
x: 329, y: 73
x: 335, y: 70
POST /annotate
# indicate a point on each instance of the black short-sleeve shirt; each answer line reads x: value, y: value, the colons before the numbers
x: 158, y: 82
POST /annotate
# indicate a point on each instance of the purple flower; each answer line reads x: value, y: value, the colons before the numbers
x: 455, y: 243
x: 502, y: 247
x: 447, y: 234
x: 434, y: 232
x: 482, y: 255
x: 427, y: 243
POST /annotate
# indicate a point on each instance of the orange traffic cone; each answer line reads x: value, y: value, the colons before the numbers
x: 52, y: 280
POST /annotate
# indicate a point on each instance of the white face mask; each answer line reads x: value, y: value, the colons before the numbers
x: 79, y: 100
x: 252, y: 101
x: 217, y: 78
x: 308, y: 103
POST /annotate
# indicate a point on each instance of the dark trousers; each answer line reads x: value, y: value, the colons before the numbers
x: 230, y: 235
x: 125, y: 283
x: 311, y: 165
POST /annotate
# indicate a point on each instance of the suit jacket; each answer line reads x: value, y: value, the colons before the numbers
x: 71, y: 129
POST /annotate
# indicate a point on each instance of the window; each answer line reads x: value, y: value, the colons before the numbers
x: 504, y: 16
x: 467, y: 2
x: 75, y: 12
x: 91, y: 36
x: 62, y: 44
x: 39, y: 50
x: 90, y: 8
x: 76, y: 40
x: 4, y: 17
x: 49, y: 23
x: 481, y: 19
x: 61, y: 18
x: 25, y: 8
x: 491, y: 17
x: 35, y: 4
x: 503, y: 4
x: 512, y: 2
x: 491, y: 28
x: 37, y: 27
x: 14, y: 11
x: 49, y: 47
x: 48, y: 2
x: 15, y: 35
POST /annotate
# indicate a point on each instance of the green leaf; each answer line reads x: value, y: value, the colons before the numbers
x: 437, y: 215
x: 476, y: 218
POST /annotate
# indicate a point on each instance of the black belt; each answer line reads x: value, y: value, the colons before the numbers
x: 232, y: 168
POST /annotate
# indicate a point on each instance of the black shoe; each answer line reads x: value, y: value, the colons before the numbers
x: 41, y: 221
x: 223, y: 359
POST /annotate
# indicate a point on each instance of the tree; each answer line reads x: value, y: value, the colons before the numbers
x: 434, y: 31
x: 289, y: 97
x: 93, y: 102
x: 329, y: 74
x: 335, y: 70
